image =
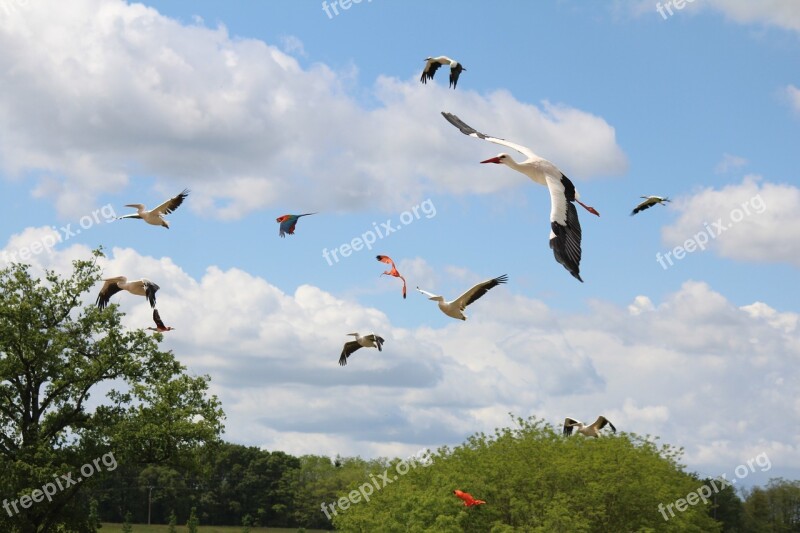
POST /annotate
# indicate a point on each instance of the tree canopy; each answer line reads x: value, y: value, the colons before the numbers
x: 55, y: 352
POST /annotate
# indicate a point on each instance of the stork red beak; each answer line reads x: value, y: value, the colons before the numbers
x: 492, y: 160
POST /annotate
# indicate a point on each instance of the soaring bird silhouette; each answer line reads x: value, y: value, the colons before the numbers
x: 288, y: 222
x: 592, y: 430
x: 392, y: 271
x: 432, y: 64
x: 141, y: 287
x: 367, y: 341
x: 565, y: 228
x: 156, y: 216
x: 649, y: 201
x: 455, y: 308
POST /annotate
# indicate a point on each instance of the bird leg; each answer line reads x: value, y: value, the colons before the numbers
x: 589, y: 208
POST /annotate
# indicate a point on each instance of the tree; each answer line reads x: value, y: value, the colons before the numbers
x: 532, y: 479
x: 775, y: 507
x: 193, y: 523
x: 55, y: 352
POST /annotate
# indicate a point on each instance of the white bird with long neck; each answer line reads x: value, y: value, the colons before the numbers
x: 592, y: 430
x: 156, y: 216
x: 432, y: 64
x: 140, y: 287
x: 455, y: 308
x: 565, y: 228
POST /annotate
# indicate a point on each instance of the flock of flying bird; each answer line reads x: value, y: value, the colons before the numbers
x: 565, y: 241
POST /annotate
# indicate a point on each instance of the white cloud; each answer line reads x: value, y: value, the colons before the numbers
x: 793, y: 94
x: 782, y: 13
x: 760, y: 221
x: 96, y: 92
x: 729, y: 162
x: 694, y: 369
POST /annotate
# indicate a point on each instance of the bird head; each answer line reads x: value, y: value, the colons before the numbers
x: 136, y: 206
x: 427, y: 59
x: 498, y: 159
x: 282, y: 218
x: 353, y: 334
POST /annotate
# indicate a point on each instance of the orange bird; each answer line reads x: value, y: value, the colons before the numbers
x: 392, y: 271
x: 469, y: 501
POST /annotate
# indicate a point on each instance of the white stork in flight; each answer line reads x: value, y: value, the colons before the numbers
x: 140, y: 287
x: 455, y: 309
x: 367, y: 341
x: 590, y: 431
x: 432, y: 64
x: 649, y: 201
x: 565, y: 229
x: 156, y: 216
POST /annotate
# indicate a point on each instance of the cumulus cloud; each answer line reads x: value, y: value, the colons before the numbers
x: 781, y: 13
x: 754, y: 220
x: 793, y: 94
x: 98, y: 92
x: 729, y: 162
x: 682, y: 368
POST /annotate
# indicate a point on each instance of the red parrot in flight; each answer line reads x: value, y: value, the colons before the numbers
x: 288, y: 222
x: 392, y: 271
x: 469, y: 501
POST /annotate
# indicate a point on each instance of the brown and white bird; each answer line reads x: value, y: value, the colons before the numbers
x: 432, y: 64
x: 649, y: 202
x: 592, y: 430
x: 367, y: 341
x: 140, y: 287
x: 455, y: 308
x: 565, y: 228
x: 160, y: 327
x: 156, y: 216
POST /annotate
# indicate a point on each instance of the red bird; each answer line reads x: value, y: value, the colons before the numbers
x: 288, y: 223
x: 393, y: 271
x: 469, y: 501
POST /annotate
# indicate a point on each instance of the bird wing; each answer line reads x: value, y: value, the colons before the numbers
x: 455, y: 72
x: 172, y: 204
x: 601, y: 422
x: 565, y: 228
x: 431, y: 66
x: 478, y: 290
x: 569, y: 423
x: 287, y: 226
x: 349, y: 347
x: 157, y: 319
x: 430, y: 295
x: 472, y: 132
x: 386, y: 259
x: 109, y: 289
x: 150, y: 290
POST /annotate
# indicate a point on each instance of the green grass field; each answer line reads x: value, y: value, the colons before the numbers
x: 137, y: 528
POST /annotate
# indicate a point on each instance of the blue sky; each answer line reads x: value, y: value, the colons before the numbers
x: 263, y: 109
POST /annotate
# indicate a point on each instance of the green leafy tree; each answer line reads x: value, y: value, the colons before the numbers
x: 775, y: 507
x: 55, y: 351
x: 126, y: 523
x: 173, y: 523
x: 533, y: 479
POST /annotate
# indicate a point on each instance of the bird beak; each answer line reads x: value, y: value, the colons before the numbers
x: 130, y: 205
x: 495, y: 160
